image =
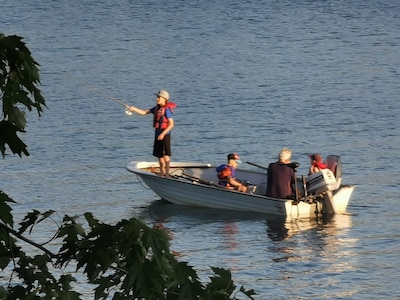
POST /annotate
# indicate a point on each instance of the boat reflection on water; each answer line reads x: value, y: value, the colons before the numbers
x: 163, y: 214
x: 257, y: 248
x: 282, y: 229
x: 163, y: 210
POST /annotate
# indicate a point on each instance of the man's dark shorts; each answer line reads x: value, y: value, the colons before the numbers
x: 162, y: 148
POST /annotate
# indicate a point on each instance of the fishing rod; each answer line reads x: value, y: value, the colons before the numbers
x: 256, y: 165
x: 292, y: 165
x: 93, y: 88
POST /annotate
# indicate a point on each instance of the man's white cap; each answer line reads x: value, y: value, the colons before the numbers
x: 163, y: 93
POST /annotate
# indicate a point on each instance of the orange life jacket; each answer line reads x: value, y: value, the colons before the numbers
x: 160, y: 121
x: 223, y: 171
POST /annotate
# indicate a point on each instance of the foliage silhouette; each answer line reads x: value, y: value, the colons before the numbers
x: 19, y: 78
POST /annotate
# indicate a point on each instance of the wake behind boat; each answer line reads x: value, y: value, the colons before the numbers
x: 195, y: 184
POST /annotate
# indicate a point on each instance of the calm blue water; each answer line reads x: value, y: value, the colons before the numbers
x: 249, y: 76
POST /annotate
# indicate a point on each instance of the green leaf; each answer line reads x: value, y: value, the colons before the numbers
x: 34, y: 218
x: 29, y: 221
x: 185, y: 282
x: 147, y: 281
x: 19, y: 78
x: 158, y: 241
x: 8, y: 135
x: 3, y: 293
x: 221, y: 282
x: 5, y: 209
x: 248, y: 293
x: 5, y: 251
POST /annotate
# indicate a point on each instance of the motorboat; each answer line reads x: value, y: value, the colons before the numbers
x: 196, y: 184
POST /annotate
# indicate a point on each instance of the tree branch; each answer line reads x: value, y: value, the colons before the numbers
x: 21, y: 237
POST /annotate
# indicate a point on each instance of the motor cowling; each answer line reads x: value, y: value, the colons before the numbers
x: 320, y: 182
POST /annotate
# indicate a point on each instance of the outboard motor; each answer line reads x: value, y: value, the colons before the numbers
x: 325, y: 182
x: 335, y: 165
x: 321, y: 182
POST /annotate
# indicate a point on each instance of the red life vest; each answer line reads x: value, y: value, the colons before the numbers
x: 223, y: 171
x: 160, y: 121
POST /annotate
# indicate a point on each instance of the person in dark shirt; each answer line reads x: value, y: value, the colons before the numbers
x: 281, y: 176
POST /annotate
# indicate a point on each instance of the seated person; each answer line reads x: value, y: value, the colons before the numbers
x: 281, y: 177
x: 226, y: 174
x: 316, y: 163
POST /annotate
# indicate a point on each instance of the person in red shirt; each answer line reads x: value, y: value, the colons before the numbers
x: 316, y: 163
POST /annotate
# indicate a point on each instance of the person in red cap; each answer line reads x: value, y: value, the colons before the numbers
x: 163, y: 122
x: 316, y: 163
x: 226, y: 173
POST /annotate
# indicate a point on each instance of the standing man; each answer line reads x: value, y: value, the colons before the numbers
x: 281, y: 176
x: 163, y: 122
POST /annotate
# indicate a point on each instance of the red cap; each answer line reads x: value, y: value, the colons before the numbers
x: 235, y: 157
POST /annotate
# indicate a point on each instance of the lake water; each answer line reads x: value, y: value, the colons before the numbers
x: 248, y: 76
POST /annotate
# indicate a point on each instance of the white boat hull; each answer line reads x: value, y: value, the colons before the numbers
x: 205, y: 193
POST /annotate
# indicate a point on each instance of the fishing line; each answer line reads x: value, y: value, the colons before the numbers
x: 93, y: 88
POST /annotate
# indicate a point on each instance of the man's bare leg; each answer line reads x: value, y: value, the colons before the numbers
x: 167, y: 160
x: 161, y: 161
